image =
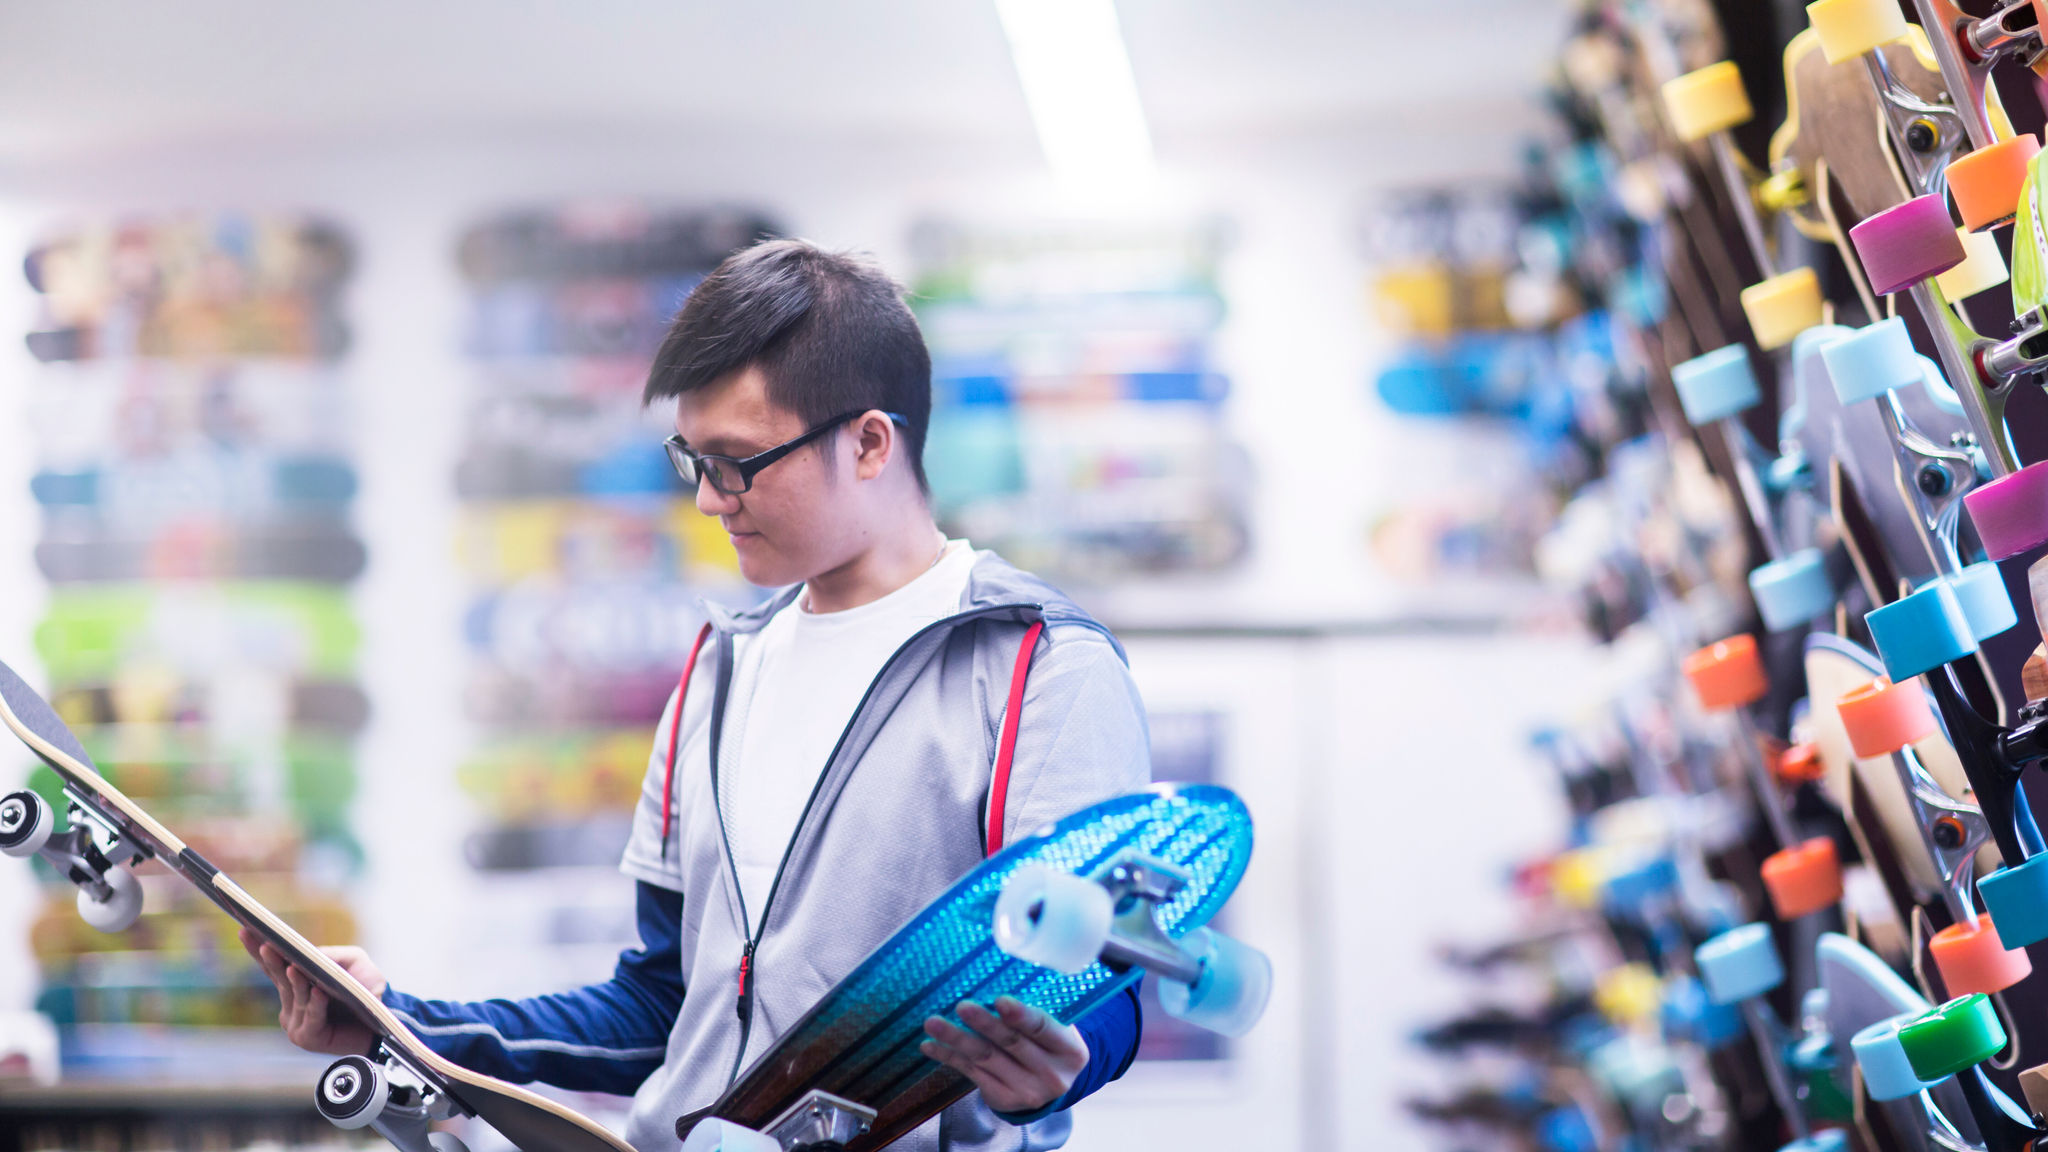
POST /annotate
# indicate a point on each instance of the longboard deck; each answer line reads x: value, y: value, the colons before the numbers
x: 861, y: 1041
x: 531, y: 1122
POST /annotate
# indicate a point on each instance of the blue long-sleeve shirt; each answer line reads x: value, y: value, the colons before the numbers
x: 610, y: 1037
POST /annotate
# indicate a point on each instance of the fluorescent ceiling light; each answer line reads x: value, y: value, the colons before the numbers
x: 1077, y: 82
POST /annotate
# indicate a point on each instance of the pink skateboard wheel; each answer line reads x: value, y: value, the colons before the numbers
x: 2011, y: 514
x: 1902, y: 246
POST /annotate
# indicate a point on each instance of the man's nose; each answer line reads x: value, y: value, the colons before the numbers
x: 712, y: 502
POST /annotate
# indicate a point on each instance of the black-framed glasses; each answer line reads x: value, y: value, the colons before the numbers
x: 734, y: 475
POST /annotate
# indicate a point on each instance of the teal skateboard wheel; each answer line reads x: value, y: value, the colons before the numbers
x: 1873, y: 360
x: 2016, y: 896
x: 1887, y: 1073
x: 1920, y: 632
x: 1740, y: 963
x: 1960, y: 1034
x: 1231, y: 993
x: 1687, y: 1013
x: 1792, y: 591
x: 1715, y: 386
x: 1826, y: 1140
x: 1986, y: 604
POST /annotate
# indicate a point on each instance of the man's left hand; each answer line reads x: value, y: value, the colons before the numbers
x: 1020, y: 1058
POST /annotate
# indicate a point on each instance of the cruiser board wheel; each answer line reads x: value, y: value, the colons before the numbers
x: 1986, y: 183
x: 1629, y: 994
x: 122, y: 905
x: 2011, y: 513
x: 1983, y: 267
x: 1054, y: 919
x: 352, y: 1092
x: 1707, y: 100
x: 1230, y: 995
x: 1972, y: 958
x: 2016, y: 897
x: 1980, y: 589
x: 1739, y: 963
x: 1873, y: 360
x: 1804, y: 878
x: 1716, y: 385
x: 1882, y: 717
x: 1960, y: 1034
x: 25, y: 823
x: 1849, y: 28
x: 1688, y: 1012
x: 714, y: 1135
x: 1726, y: 674
x: 1887, y: 1074
x: 1902, y: 246
x: 1920, y: 632
x: 1791, y: 591
x: 1782, y: 307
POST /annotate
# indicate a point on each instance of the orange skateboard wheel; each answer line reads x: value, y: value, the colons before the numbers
x: 1986, y: 183
x: 1727, y: 673
x: 1971, y: 958
x: 1801, y: 764
x: 1804, y: 878
x: 1882, y: 717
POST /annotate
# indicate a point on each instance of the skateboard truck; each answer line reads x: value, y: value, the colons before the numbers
x: 109, y: 898
x: 359, y: 1092
x: 819, y: 1122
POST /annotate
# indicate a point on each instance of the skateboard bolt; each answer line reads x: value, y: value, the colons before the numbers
x: 1933, y: 480
x: 1922, y: 135
x: 1947, y: 833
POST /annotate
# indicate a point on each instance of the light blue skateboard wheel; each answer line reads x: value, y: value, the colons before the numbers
x: 1565, y: 1130
x: 1872, y: 360
x: 1634, y: 889
x: 1740, y: 963
x: 1827, y: 1140
x: 2017, y: 899
x: 1230, y: 995
x: 1887, y: 1074
x: 1986, y: 604
x: 1792, y: 591
x: 1687, y: 1014
x: 1921, y: 631
x: 1715, y: 386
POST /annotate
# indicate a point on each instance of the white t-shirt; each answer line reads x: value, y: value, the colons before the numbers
x: 796, y: 683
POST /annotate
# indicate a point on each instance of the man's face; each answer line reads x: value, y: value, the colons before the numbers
x: 799, y: 518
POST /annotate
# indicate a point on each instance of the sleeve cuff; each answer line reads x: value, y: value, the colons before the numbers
x: 1020, y: 1119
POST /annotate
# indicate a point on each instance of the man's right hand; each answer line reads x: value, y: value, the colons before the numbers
x: 309, y: 1019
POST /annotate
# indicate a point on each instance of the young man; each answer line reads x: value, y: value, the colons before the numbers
x: 825, y: 769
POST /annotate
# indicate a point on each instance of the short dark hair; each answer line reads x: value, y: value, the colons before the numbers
x: 829, y: 331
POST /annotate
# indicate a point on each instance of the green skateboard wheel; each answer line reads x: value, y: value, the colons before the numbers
x: 1961, y: 1033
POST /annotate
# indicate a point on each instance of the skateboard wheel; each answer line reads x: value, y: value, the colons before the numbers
x: 1791, y: 591
x: 1988, y: 607
x: 2011, y: 513
x: 714, y: 1135
x: 1959, y: 1034
x: 1920, y: 632
x: 1780, y: 308
x: 2016, y: 897
x: 446, y: 1142
x: 1804, y: 878
x: 1986, y: 183
x: 1230, y: 995
x: 1690, y: 1014
x: 1566, y: 1130
x: 1983, y: 267
x: 122, y: 905
x: 1637, y: 888
x: 1708, y: 100
x: 25, y: 823
x: 1887, y: 1074
x: 1882, y: 717
x: 1739, y: 963
x: 1873, y: 360
x: 1902, y: 246
x: 1726, y: 674
x: 1054, y: 919
x: 1801, y: 764
x: 1849, y: 28
x: 1629, y: 994
x: 1716, y: 385
x: 1972, y: 958
x: 352, y: 1092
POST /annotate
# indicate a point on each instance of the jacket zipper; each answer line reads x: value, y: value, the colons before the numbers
x: 744, y: 1003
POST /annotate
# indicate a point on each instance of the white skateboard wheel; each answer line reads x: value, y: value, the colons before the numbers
x: 715, y: 1135
x: 1055, y: 919
x: 352, y: 1092
x: 1231, y: 993
x: 25, y: 823
x: 122, y: 905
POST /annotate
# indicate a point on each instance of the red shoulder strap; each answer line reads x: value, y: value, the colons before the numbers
x: 1006, y: 747
x: 675, y: 731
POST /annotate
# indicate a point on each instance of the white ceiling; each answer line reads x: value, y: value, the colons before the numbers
x: 87, y: 79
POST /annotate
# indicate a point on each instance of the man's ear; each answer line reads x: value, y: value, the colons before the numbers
x: 874, y: 445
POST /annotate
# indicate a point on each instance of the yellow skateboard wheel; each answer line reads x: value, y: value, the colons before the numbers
x: 1783, y: 307
x: 1629, y: 995
x: 1706, y: 101
x: 1986, y: 183
x: 1983, y: 267
x: 1849, y: 28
